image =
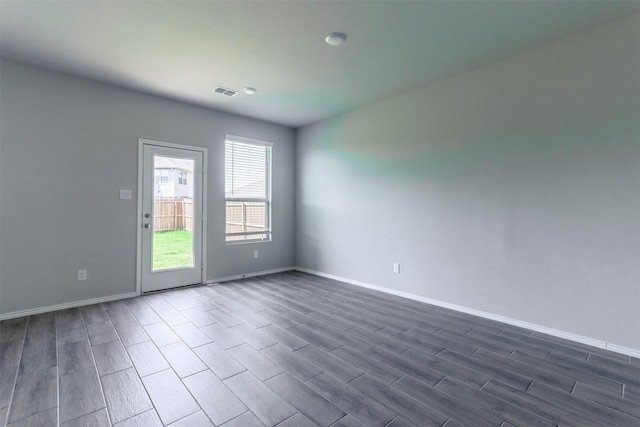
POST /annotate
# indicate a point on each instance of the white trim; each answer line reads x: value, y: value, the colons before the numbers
x: 624, y: 350
x: 66, y: 305
x: 245, y: 140
x: 141, y: 143
x: 139, y: 214
x: 171, y: 145
x: 244, y: 276
x: 508, y: 320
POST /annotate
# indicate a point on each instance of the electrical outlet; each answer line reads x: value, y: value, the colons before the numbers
x: 255, y: 254
x: 396, y: 267
x: 82, y: 274
x: 125, y: 194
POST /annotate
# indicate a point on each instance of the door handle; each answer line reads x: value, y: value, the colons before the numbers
x: 147, y: 226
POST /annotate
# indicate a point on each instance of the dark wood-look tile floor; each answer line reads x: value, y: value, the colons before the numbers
x: 295, y: 350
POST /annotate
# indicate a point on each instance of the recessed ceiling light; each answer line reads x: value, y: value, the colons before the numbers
x: 250, y: 90
x: 336, y: 39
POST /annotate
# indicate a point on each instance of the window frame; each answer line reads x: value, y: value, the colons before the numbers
x: 162, y: 177
x: 267, y: 200
x: 182, y: 177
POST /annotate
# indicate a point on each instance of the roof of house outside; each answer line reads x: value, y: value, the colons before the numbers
x: 173, y: 163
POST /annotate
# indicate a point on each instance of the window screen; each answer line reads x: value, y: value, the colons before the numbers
x: 247, y: 190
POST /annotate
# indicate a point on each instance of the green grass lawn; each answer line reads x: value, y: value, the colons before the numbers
x: 172, y: 249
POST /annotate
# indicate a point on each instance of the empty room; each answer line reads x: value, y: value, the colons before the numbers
x: 320, y: 213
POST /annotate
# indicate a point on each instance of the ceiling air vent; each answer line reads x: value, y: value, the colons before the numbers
x: 225, y: 91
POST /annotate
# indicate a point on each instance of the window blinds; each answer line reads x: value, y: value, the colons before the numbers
x: 247, y: 171
x: 247, y: 190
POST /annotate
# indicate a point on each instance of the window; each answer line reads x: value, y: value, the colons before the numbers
x: 182, y: 178
x: 247, y: 190
x: 161, y: 176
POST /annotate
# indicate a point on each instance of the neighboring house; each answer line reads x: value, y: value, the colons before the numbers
x: 173, y: 178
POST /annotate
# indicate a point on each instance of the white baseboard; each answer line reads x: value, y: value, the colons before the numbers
x: 74, y: 304
x: 515, y: 322
x: 254, y: 274
x: 623, y: 350
x: 66, y: 305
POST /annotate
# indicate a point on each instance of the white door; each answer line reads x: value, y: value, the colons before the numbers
x: 170, y: 216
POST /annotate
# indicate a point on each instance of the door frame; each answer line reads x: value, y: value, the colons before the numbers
x: 139, y: 210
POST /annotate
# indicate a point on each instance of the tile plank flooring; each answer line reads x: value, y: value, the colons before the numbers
x: 295, y: 350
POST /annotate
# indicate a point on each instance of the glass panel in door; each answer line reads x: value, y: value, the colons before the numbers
x: 173, y: 185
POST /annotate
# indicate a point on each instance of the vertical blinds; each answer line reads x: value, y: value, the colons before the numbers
x: 247, y: 170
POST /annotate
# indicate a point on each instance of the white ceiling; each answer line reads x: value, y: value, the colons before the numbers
x: 183, y: 49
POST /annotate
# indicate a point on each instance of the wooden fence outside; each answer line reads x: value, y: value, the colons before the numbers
x: 169, y: 215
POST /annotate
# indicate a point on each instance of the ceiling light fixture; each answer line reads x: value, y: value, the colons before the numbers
x: 336, y: 39
x: 250, y: 90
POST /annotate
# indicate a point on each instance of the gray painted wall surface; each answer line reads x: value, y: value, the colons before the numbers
x: 68, y: 146
x: 512, y: 189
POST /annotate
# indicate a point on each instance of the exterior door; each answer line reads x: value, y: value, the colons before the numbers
x: 170, y: 216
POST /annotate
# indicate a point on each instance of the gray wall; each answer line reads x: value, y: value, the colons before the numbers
x: 68, y: 146
x: 513, y: 189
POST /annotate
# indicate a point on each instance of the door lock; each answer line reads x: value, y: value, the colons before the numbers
x: 147, y: 225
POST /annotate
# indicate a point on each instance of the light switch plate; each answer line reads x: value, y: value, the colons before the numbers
x: 125, y: 194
